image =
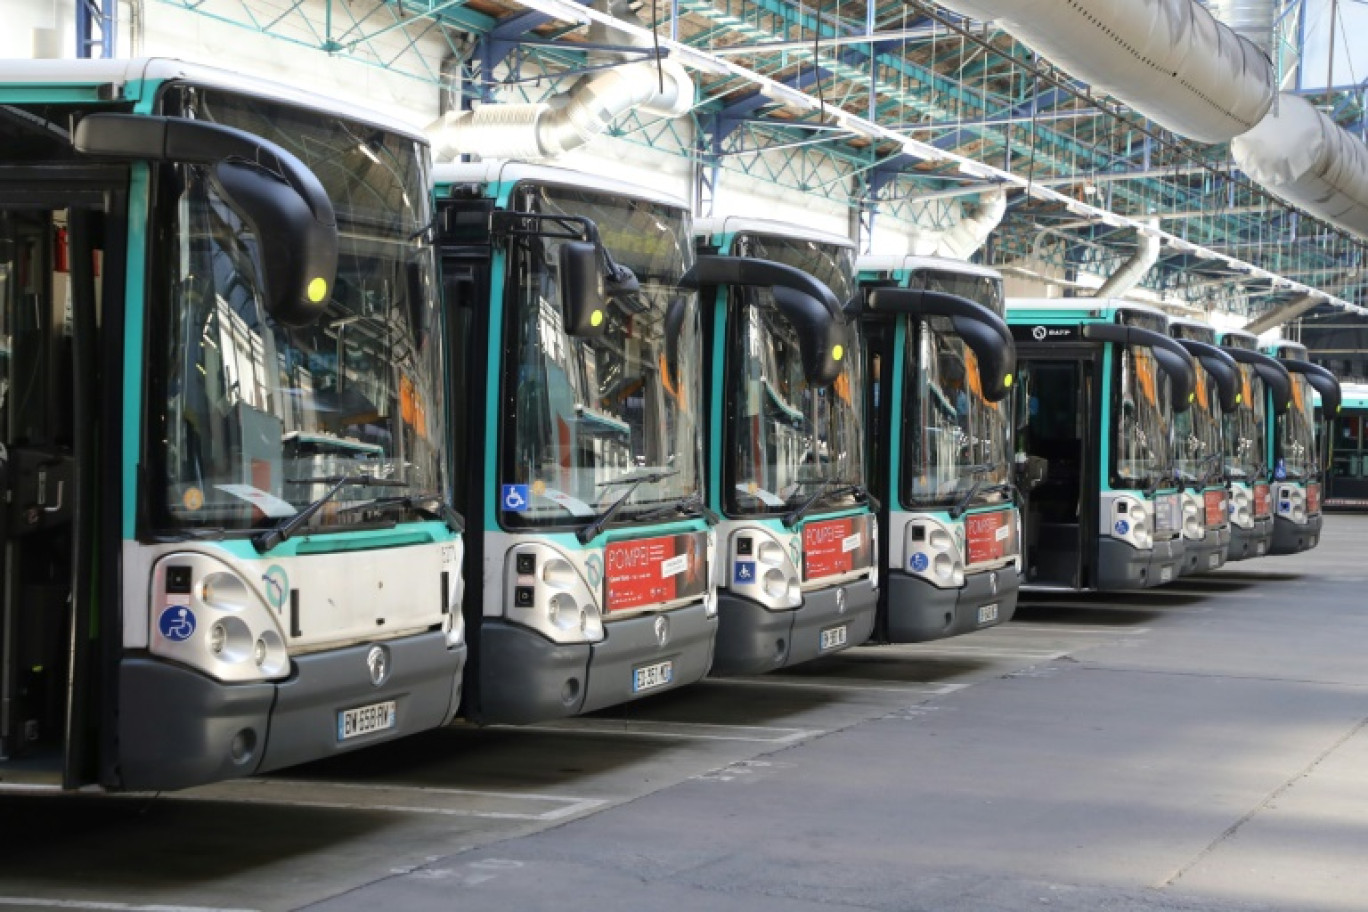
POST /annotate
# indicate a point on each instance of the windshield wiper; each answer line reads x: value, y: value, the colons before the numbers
x: 600, y: 522
x: 689, y: 505
x: 266, y: 540
x: 977, y: 471
x: 824, y: 488
x: 428, y: 503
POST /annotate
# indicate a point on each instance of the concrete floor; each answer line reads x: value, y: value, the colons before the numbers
x: 1201, y: 747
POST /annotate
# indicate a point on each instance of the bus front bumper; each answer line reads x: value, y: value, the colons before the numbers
x: 179, y: 728
x: 1206, y: 554
x: 1291, y: 538
x: 752, y: 639
x: 525, y: 677
x: 1251, y: 542
x: 1122, y: 566
x: 919, y: 612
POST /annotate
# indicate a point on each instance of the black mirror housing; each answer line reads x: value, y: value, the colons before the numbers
x: 1220, y: 367
x: 1322, y: 381
x: 1173, y: 358
x: 272, y: 190
x: 581, y: 290
x: 1271, y: 371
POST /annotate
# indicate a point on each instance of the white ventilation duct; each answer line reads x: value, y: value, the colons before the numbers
x: 547, y: 129
x: 1303, y: 157
x: 1168, y: 59
x: 1252, y: 19
x: 1134, y: 269
x: 970, y: 231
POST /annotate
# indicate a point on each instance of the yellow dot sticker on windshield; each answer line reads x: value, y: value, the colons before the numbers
x: 1007, y: 381
x: 193, y: 498
x: 318, y: 289
x: 596, y: 319
x: 1239, y: 397
x: 1192, y: 397
x: 837, y: 353
x: 539, y: 487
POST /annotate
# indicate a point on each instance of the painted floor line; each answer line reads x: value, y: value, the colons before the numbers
x: 269, y: 793
x: 39, y: 902
x: 1082, y: 629
x: 547, y: 816
x: 691, y: 731
x: 930, y: 688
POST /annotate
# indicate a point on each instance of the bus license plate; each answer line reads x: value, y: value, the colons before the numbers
x: 363, y: 720
x: 832, y: 637
x: 987, y: 614
x: 1165, y: 574
x: 650, y: 676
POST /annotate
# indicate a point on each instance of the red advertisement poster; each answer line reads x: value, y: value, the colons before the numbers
x: 988, y: 536
x: 654, y: 571
x: 1313, y: 504
x: 1215, y: 502
x: 835, y: 546
x: 1263, y: 500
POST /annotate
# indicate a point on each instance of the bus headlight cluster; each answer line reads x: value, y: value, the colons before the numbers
x: 1129, y: 519
x: 1292, y: 503
x: 209, y: 617
x: 547, y: 592
x: 1241, y: 507
x: 935, y: 552
x: 1194, y: 517
x: 763, y: 570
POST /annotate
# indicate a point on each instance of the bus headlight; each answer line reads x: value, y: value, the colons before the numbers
x: 934, y: 552
x: 761, y: 568
x: 544, y: 590
x: 207, y: 616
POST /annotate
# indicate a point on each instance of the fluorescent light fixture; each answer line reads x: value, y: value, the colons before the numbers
x: 924, y: 151
x: 856, y: 125
x: 561, y: 9
x: 777, y: 91
x: 702, y: 61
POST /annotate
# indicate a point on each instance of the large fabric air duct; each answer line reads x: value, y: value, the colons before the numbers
x: 547, y: 129
x: 969, y: 232
x: 1252, y: 19
x: 1168, y: 59
x: 1133, y: 270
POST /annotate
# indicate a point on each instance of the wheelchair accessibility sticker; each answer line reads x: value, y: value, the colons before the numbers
x: 177, y: 623
x: 745, y: 572
x: 919, y: 562
x: 514, y: 498
x: 1122, y: 527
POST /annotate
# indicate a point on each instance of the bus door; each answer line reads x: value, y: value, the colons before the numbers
x: 53, y: 242
x: 1058, y: 431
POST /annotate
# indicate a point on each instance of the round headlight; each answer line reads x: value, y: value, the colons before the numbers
x: 770, y: 552
x: 776, y: 586
x: 944, y: 566
x: 564, y: 612
x: 558, y: 573
x: 940, y: 540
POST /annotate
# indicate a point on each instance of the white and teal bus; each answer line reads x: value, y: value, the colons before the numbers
x: 1265, y: 392
x: 1346, y: 484
x: 1298, y: 458
x: 228, y: 539
x: 786, y: 453
x: 1199, y: 447
x: 1102, y: 381
x: 940, y: 361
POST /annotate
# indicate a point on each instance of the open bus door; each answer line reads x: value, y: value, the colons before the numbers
x: 56, y: 250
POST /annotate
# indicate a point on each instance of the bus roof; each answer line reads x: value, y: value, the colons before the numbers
x: 1189, y: 328
x: 1354, y: 394
x: 899, y: 262
x: 499, y: 171
x: 1284, y: 348
x: 157, y: 70
x: 736, y: 224
x: 1103, y: 309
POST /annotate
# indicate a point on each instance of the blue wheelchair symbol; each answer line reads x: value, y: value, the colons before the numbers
x: 177, y: 623
x: 920, y: 562
x: 514, y: 498
x: 745, y: 572
x: 1122, y: 527
x: 1280, y: 471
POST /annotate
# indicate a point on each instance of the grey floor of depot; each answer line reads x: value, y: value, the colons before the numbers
x: 1201, y: 747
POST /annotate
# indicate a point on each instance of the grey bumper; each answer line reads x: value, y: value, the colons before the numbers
x: 179, y: 728
x: 1290, y: 538
x: 752, y: 639
x: 524, y: 677
x: 1252, y: 542
x: 1207, y: 554
x: 1121, y: 566
x: 918, y: 611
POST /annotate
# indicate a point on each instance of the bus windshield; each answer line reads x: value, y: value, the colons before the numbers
x: 1141, y: 440
x: 1197, y: 434
x: 251, y: 420
x: 1245, y: 432
x: 1296, y: 448
x: 590, y: 420
x: 953, y: 438
x: 784, y: 436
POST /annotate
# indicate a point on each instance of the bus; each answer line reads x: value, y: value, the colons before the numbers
x: 786, y: 461
x: 1199, y: 447
x: 1101, y: 382
x: 575, y: 324
x: 1265, y: 391
x: 1298, y: 456
x: 229, y: 543
x: 1346, y: 485
x: 940, y: 362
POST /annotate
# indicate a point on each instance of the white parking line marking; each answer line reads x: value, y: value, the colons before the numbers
x: 112, y: 906
x: 693, y: 731
x: 927, y: 688
x: 403, y: 799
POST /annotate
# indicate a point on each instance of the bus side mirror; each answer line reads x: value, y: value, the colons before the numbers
x: 822, y: 340
x: 270, y: 189
x: 996, y: 360
x: 675, y: 313
x: 1182, y: 377
x: 1323, y: 382
x: 1221, y: 367
x: 581, y: 290
x: 987, y: 336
